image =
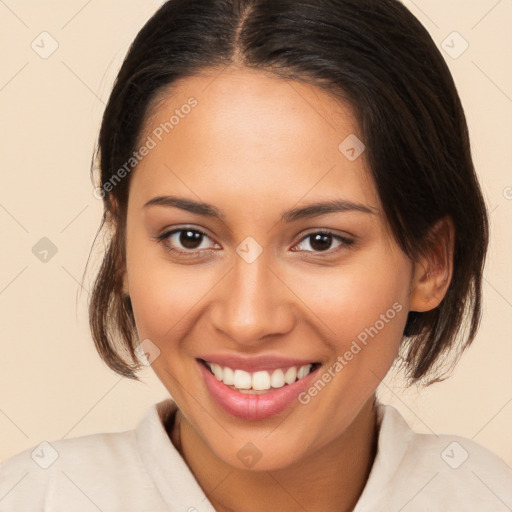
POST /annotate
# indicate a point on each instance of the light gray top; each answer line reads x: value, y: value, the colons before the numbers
x: 140, y: 470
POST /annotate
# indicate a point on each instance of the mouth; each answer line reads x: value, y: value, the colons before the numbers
x: 258, y: 393
x: 261, y: 381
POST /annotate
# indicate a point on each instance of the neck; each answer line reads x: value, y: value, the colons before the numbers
x: 332, y: 478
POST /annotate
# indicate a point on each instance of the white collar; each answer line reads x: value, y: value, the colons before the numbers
x: 181, y: 491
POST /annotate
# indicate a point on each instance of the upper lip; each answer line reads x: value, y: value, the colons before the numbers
x: 256, y: 363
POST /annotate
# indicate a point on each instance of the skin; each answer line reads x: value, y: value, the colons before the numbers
x: 253, y: 147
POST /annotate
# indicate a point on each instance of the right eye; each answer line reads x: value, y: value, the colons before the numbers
x: 184, y: 241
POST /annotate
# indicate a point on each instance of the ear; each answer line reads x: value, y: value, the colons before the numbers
x: 433, y: 271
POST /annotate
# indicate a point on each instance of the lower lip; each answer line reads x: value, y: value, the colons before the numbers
x: 254, y: 407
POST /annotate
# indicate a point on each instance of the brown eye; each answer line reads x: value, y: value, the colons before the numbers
x: 322, y: 241
x: 185, y: 241
x: 189, y: 239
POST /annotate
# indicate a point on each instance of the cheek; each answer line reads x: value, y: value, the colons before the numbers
x: 365, y: 301
x: 365, y: 309
x: 162, y: 293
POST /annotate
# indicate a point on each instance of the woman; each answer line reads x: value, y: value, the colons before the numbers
x: 293, y: 207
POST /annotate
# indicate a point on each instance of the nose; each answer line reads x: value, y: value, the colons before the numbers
x: 252, y: 303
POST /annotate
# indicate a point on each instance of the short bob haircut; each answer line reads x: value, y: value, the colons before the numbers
x: 373, y: 54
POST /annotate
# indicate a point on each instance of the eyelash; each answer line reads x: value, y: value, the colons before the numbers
x: 163, y: 239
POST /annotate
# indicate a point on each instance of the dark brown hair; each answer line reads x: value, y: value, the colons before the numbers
x: 372, y: 53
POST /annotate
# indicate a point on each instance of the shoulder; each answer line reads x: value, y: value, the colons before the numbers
x: 440, y: 471
x: 133, y: 471
x: 472, y: 473
x: 29, y: 478
x: 103, y: 471
x: 107, y: 448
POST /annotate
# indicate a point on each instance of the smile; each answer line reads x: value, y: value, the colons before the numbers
x: 256, y: 393
x: 259, y: 381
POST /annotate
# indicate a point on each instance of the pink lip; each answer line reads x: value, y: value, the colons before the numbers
x: 254, y: 407
x: 254, y: 364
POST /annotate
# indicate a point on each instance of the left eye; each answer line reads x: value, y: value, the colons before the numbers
x: 188, y: 238
x: 321, y: 241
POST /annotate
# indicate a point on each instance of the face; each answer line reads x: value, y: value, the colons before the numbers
x: 255, y: 282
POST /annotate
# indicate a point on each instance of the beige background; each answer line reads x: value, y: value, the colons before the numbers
x: 52, y: 383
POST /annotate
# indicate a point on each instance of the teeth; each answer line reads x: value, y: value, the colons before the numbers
x: 242, y: 379
x: 229, y: 376
x: 303, y: 371
x: 260, y: 380
x: 217, y: 371
x: 291, y: 375
x: 277, y: 379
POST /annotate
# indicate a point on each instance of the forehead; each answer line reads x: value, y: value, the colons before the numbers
x: 252, y: 135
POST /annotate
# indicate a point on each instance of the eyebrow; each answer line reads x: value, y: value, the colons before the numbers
x: 295, y: 214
